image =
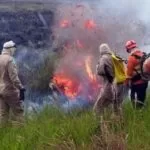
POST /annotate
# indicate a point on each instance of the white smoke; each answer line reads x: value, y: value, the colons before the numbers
x: 118, y: 21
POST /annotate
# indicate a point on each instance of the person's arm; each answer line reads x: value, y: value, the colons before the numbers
x: 100, y: 67
x: 129, y: 70
x: 13, y: 74
x: 130, y: 67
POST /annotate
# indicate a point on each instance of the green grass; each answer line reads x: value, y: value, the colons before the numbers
x: 40, y: 77
x: 52, y: 129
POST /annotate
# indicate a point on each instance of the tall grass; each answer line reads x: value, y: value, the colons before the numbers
x: 40, y: 76
x: 52, y: 129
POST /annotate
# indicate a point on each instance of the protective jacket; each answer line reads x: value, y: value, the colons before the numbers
x: 134, y: 67
x: 105, y: 70
x: 10, y: 84
x: 105, y: 67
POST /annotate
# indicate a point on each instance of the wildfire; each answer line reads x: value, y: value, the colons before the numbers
x: 79, y: 80
x: 64, y: 23
x: 79, y: 44
x: 88, y: 69
x: 66, y: 84
x: 72, y: 86
x: 89, y: 24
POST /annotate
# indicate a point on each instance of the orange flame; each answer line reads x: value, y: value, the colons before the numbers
x: 66, y: 84
x: 71, y: 86
x: 79, y: 44
x: 88, y: 69
x: 64, y: 23
x: 79, y: 5
x: 89, y: 24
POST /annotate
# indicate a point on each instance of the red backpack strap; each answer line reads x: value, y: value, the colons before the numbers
x: 137, y: 56
x: 141, y: 59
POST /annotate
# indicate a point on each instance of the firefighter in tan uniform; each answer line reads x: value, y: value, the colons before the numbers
x: 11, y: 89
x: 105, y: 70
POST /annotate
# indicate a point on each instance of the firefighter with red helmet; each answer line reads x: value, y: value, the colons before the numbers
x: 137, y: 84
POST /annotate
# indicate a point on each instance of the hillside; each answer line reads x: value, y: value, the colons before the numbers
x: 27, y: 24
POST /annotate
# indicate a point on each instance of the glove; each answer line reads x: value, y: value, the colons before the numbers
x: 22, y: 91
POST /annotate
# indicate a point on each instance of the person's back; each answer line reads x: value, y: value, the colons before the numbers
x: 134, y: 66
x: 5, y: 81
x: 105, y: 70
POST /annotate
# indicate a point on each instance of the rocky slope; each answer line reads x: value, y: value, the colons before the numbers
x: 27, y: 27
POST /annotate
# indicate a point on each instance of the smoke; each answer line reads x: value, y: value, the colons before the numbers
x: 81, y: 26
x: 130, y: 18
x: 117, y: 21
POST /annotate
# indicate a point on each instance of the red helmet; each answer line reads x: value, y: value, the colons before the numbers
x: 130, y: 44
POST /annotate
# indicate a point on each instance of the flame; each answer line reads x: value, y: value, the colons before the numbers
x: 79, y: 6
x: 64, y: 23
x: 71, y: 85
x: 77, y: 78
x: 89, y: 24
x: 66, y: 84
x: 79, y: 44
x: 88, y: 62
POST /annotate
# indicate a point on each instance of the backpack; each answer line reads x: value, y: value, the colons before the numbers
x: 119, y: 68
x: 142, y: 59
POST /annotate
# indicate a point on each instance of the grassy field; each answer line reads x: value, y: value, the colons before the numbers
x: 52, y: 129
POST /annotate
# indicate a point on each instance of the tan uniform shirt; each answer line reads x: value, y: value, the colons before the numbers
x: 9, y: 80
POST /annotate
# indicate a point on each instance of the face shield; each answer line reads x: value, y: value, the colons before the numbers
x: 13, y: 50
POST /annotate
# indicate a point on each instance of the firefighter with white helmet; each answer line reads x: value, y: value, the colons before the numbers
x: 105, y: 71
x: 111, y: 70
x: 11, y: 89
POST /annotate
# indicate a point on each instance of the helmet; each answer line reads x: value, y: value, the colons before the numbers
x: 9, y: 44
x: 9, y: 47
x: 130, y: 44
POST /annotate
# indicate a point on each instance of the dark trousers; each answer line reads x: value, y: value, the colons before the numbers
x: 138, y: 94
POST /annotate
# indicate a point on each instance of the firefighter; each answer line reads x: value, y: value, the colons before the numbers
x: 105, y: 70
x: 11, y: 89
x: 134, y: 80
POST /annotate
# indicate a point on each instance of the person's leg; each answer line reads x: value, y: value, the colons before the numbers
x: 141, y: 94
x: 17, y: 109
x: 119, y: 98
x: 98, y: 104
x: 104, y: 99
x: 132, y: 96
x: 4, y: 112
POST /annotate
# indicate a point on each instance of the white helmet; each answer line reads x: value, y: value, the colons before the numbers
x: 9, y: 44
x: 9, y: 48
